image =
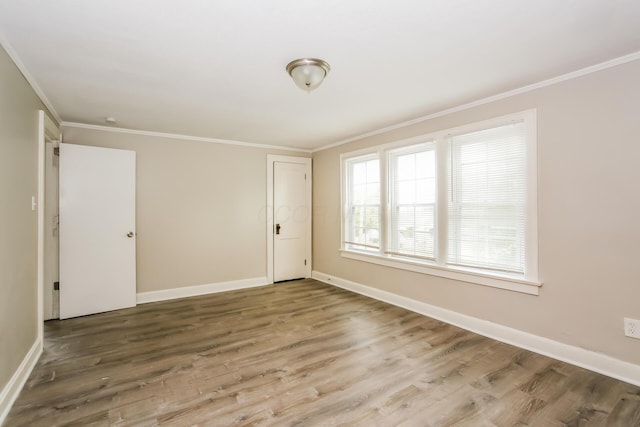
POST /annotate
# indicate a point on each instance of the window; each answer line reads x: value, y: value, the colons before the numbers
x: 363, y: 203
x: 412, y: 188
x: 460, y: 203
x: 487, y: 199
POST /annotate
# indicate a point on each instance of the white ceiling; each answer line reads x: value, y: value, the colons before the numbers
x: 216, y: 69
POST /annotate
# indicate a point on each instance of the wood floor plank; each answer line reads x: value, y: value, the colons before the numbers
x: 298, y: 354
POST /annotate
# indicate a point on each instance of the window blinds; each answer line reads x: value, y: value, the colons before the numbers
x: 486, y: 210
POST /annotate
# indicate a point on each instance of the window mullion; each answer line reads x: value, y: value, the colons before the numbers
x: 442, y: 165
x: 384, y: 201
x: 531, y: 203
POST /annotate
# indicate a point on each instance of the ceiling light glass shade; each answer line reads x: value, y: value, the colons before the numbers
x: 308, y: 73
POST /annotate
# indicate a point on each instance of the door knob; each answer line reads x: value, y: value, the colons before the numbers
x: 130, y: 234
x: 277, y: 228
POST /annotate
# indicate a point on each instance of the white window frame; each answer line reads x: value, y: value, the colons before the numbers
x: 528, y: 283
x: 345, y: 181
x: 392, y: 197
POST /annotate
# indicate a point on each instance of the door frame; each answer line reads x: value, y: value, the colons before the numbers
x: 50, y: 295
x: 47, y: 131
x: 269, y: 214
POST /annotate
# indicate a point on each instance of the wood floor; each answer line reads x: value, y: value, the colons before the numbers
x: 301, y: 354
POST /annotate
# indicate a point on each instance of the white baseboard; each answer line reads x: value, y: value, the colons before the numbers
x: 192, y: 291
x: 14, y: 386
x: 587, y: 359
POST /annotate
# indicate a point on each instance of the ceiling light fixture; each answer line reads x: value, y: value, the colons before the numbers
x: 308, y: 73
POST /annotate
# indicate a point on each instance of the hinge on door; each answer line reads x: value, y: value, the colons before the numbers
x: 305, y: 262
x: 56, y: 151
x: 305, y: 176
x: 56, y: 286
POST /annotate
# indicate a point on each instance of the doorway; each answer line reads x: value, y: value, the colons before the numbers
x: 288, y: 218
x: 48, y: 138
x: 51, y: 299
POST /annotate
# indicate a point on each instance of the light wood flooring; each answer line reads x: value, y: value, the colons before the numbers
x: 301, y: 353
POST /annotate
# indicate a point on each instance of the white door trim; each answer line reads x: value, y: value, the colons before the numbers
x: 47, y: 131
x: 271, y: 159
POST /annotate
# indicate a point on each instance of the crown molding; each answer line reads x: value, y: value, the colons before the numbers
x: 548, y: 82
x: 524, y: 89
x: 27, y: 75
x: 180, y: 136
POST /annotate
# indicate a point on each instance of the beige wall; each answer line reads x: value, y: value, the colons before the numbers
x: 200, y: 215
x: 19, y: 107
x: 589, y: 208
x: 200, y: 208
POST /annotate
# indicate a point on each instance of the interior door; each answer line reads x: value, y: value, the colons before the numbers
x: 290, y: 213
x: 97, y: 230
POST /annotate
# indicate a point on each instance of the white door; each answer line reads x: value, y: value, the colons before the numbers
x: 290, y: 217
x: 97, y: 230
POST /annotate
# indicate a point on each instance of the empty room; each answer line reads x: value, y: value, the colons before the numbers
x: 313, y: 213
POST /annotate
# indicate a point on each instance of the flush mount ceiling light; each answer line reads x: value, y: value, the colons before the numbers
x: 308, y: 73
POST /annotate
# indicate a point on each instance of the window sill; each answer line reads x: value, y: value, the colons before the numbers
x: 495, y: 281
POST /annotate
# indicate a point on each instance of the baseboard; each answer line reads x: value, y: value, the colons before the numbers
x: 192, y: 291
x: 587, y: 359
x: 14, y: 386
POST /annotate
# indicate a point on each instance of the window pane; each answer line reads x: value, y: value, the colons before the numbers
x: 426, y: 190
x: 359, y: 194
x: 424, y: 218
x: 372, y: 217
x: 406, y: 192
x: 425, y: 164
x: 406, y: 217
x: 362, y: 221
x: 413, y: 190
x: 359, y: 173
x: 487, y: 199
x: 406, y: 167
x: 373, y: 194
x: 358, y: 216
x: 373, y: 171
